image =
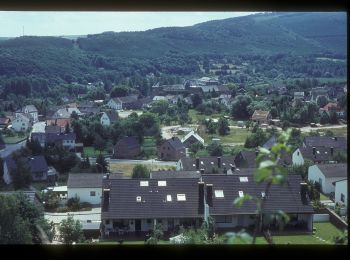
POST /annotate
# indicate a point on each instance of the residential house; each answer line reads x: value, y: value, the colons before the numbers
x: 29, y: 109
x: 315, y: 93
x: 206, y: 81
x: 22, y: 123
x: 247, y: 159
x: 67, y: 140
x: 88, y: 108
x: 269, y: 143
x: 207, y: 165
x: 136, y: 205
x: 327, y: 174
x: 171, y: 150
x: 124, y: 103
x: 341, y: 191
x: 299, y: 95
x: 261, y: 117
x: 4, y: 122
x: 174, y: 174
x: 66, y: 112
x: 108, y: 117
x: 192, y: 138
x: 53, y: 129
x: 61, y: 122
x: 86, y: 186
x: 325, y: 141
x: 315, y: 154
x: 332, y: 107
x: 38, y: 168
x: 127, y: 148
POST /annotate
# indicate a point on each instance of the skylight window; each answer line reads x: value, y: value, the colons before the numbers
x: 318, y: 152
x: 202, y: 162
x: 168, y: 198
x: 181, y: 197
x: 219, y: 193
x: 240, y: 193
x: 143, y: 183
x: 243, y: 179
x: 212, y: 162
x: 138, y: 199
x: 161, y: 183
x: 263, y: 195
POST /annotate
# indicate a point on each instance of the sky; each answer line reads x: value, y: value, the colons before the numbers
x: 82, y: 23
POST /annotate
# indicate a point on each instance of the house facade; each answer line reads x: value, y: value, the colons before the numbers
x: 315, y: 154
x: 326, y: 175
x: 341, y: 192
x: 29, y: 109
x: 192, y: 138
x: 108, y: 118
x: 261, y: 117
x: 86, y: 186
x: 172, y: 150
x: 21, y: 123
x: 137, y: 205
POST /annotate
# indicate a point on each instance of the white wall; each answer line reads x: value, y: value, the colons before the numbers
x: 7, y: 178
x: 341, y: 187
x: 112, y: 104
x: 320, y: 218
x: 84, y: 194
x: 105, y: 120
x: 20, y: 124
x: 179, y: 166
x: 314, y: 174
x: 297, y: 158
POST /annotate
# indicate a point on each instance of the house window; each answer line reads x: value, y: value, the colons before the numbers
x: 161, y: 183
x: 138, y: 199
x: 243, y: 179
x: 223, y: 219
x: 181, y: 197
x: 143, y: 183
x: 88, y: 221
x: 219, y: 193
x: 92, y: 193
x: 342, y: 197
x: 168, y: 198
x: 159, y: 221
x: 320, y: 182
x: 240, y: 193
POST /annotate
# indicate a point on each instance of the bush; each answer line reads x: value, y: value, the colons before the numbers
x: 73, y: 204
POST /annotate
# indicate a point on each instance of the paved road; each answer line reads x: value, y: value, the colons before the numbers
x: 10, y: 148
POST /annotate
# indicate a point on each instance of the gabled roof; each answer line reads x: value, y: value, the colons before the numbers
x: 84, y: 180
x: 325, y: 141
x: 207, y: 163
x: 29, y: 108
x: 195, y: 135
x: 4, y: 120
x: 246, y: 159
x: 53, y: 129
x: 260, y: 114
x: 66, y: 112
x: 129, y: 141
x: 322, y: 153
x: 62, y: 122
x: 334, y: 170
x: 112, y: 115
x: 269, y: 143
x: 175, y: 143
x: 36, y: 163
x: 126, y: 99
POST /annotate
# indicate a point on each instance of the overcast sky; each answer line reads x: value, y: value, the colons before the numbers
x: 81, y: 23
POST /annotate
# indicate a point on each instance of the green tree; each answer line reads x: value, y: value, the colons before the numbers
x: 322, y: 101
x: 256, y: 139
x: 211, y: 127
x: 119, y: 91
x: 21, y: 174
x: 324, y: 118
x: 215, y: 149
x: 223, y: 126
x: 239, y: 107
x: 71, y: 231
x: 101, y: 164
x: 99, y: 143
x: 196, y: 100
x: 140, y: 171
x: 73, y: 204
x: 333, y: 118
x: 157, y: 234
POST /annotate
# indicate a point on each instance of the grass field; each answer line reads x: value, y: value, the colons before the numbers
x: 338, y: 131
x: 197, y: 118
x: 91, y: 152
x: 126, y: 169
x: 236, y: 135
x: 323, y: 197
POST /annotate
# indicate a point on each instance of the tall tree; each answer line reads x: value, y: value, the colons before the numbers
x: 71, y: 231
x: 140, y: 171
x: 21, y: 174
x: 223, y: 126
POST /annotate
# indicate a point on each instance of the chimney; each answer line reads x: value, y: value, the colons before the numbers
x: 219, y: 162
x: 233, y: 168
x: 209, y: 197
x: 200, y: 197
x: 332, y: 151
x: 314, y: 150
x: 107, y: 176
x: 197, y: 163
x: 202, y: 171
x: 105, y: 199
x: 335, y: 138
x: 303, y: 192
x: 256, y: 152
x: 173, y: 138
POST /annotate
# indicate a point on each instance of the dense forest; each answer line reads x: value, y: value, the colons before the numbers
x: 260, y: 47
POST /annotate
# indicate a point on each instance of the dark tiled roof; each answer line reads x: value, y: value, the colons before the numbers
x: 325, y: 141
x: 246, y: 159
x: 36, y: 163
x: 322, y: 153
x: 84, y: 180
x: 176, y: 143
x: 127, y: 99
x: 154, y: 204
x: 207, y: 163
x: 112, y: 115
x: 174, y: 174
x: 286, y: 198
x: 4, y: 120
x: 54, y: 129
x: 269, y: 143
x: 129, y: 141
x: 334, y: 170
x: 123, y: 193
x: 51, y: 138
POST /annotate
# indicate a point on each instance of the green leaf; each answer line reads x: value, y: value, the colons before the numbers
x: 278, y: 179
x: 262, y: 174
x: 264, y: 150
x: 266, y: 164
x: 240, y: 200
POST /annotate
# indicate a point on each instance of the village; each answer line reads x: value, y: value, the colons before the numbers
x: 179, y: 156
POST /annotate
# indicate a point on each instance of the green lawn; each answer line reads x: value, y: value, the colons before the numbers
x: 134, y: 242
x: 236, y: 135
x: 13, y: 139
x: 323, y: 197
x: 338, y: 131
x: 197, y: 118
x: 91, y: 152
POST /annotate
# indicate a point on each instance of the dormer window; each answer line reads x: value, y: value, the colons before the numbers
x: 144, y: 183
x: 138, y: 199
x: 240, y: 193
x: 162, y: 183
x: 181, y: 197
x: 168, y: 198
x: 243, y: 179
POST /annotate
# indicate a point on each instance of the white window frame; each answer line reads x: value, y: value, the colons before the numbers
x: 219, y: 193
x: 162, y: 183
x: 144, y: 183
x: 240, y: 193
x: 181, y: 197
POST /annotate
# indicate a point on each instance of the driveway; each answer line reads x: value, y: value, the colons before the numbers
x: 10, y: 148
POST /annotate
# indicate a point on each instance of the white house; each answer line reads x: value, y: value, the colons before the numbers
x: 21, y: 123
x: 86, y: 186
x: 327, y: 174
x: 108, y: 118
x: 315, y: 154
x: 29, y: 109
x: 341, y: 191
x: 114, y: 103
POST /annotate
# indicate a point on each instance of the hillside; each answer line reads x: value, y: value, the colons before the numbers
x: 172, y: 50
